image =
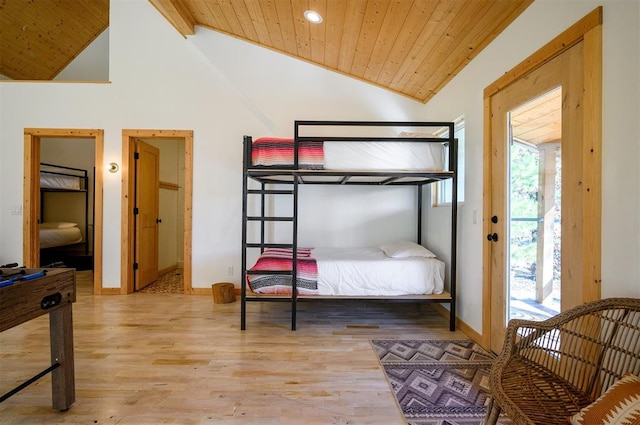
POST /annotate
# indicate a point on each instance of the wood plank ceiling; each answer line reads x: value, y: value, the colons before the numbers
x: 411, y: 47
x: 39, y: 38
x: 540, y: 120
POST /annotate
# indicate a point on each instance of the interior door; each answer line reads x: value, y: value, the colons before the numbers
x: 564, y: 72
x: 146, y: 218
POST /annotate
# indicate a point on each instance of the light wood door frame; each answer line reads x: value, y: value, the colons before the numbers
x: 589, y: 31
x: 128, y: 190
x: 31, y: 194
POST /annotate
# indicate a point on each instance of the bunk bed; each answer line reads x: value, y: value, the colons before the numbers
x: 370, y: 153
x: 64, y: 214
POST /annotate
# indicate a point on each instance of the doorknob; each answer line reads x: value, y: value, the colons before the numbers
x: 492, y: 237
x: 494, y: 219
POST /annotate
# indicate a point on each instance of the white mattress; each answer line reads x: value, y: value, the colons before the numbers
x: 369, y: 271
x: 383, y: 156
x: 56, y: 181
x: 59, y: 237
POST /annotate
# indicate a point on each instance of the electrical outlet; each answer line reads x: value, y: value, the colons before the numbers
x: 229, y: 270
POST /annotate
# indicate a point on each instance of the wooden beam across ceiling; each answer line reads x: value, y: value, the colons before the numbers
x: 411, y: 47
x: 177, y: 14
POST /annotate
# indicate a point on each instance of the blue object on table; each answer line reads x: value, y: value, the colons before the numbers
x: 31, y: 276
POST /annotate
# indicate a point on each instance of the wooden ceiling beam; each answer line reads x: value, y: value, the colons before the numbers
x: 177, y: 14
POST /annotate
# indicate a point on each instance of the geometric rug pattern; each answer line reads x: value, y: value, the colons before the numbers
x: 438, y: 382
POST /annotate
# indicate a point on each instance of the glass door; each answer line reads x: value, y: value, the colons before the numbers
x: 534, y: 207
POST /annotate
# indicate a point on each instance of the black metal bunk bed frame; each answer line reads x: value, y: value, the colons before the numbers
x: 294, y: 176
x: 82, y: 175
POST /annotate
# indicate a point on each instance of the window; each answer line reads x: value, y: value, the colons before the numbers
x: 441, y: 194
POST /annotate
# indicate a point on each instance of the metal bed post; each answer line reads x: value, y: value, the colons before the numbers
x: 294, y: 236
x: 243, y: 284
x: 263, y: 198
x: 85, y: 183
x: 453, y: 166
x: 419, y: 236
x: 294, y: 268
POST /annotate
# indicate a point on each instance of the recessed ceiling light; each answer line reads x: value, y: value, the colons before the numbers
x: 312, y: 16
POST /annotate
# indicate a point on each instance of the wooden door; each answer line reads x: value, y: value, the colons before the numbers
x: 147, y: 189
x: 565, y: 71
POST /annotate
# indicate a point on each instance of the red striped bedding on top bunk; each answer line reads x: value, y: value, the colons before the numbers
x: 278, y: 151
x: 341, y: 155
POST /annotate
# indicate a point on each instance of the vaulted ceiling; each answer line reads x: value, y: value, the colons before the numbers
x: 412, y: 47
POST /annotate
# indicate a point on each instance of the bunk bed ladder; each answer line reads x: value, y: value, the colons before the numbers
x: 264, y: 219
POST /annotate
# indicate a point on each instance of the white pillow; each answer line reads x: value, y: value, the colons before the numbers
x: 405, y: 249
x: 57, y: 225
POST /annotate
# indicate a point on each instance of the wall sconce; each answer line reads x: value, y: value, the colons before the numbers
x: 113, y: 167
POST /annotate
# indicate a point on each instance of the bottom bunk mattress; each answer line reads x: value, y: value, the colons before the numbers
x: 59, y: 234
x: 365, y: 271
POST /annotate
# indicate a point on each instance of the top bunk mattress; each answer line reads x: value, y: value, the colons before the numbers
x: 59, y: 181
x: 343, y: 155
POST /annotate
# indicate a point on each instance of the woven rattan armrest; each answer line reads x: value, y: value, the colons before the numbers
x: 549, y: 370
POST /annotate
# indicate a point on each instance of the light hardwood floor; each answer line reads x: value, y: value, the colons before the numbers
x: 181, y: 359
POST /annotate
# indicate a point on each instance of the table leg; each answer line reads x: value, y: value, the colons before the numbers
x: 62, y: 378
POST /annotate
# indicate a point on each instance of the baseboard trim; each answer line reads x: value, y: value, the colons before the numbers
x: 110, y: 291
x: 461, y: 325
x: 201, y: 291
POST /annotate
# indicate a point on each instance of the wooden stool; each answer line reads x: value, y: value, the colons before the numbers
x: 223, y: 292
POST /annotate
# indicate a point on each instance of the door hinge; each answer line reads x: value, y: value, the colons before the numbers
x: 136, y: 155
x: 135, y: 266
x: 136, y: 210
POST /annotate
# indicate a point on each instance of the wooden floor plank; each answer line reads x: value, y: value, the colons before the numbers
x: 181, y: 359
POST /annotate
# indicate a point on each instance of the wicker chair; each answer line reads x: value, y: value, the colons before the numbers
x: 549, y: 370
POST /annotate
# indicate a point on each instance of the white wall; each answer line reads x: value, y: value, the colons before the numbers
x: 539, y: 24
x: 159, y: 80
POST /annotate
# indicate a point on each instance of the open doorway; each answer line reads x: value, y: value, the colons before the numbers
x: 156, y: 208
x: 535, y: 208
x: 62, y: 222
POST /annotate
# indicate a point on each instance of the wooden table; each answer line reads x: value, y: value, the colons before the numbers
x: 51, y: 294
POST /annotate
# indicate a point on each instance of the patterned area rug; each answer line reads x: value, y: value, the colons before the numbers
x: 438, y: 382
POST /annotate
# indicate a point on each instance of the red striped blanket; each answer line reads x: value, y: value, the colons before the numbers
x: 281, y: 260
x: 277, y: 151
